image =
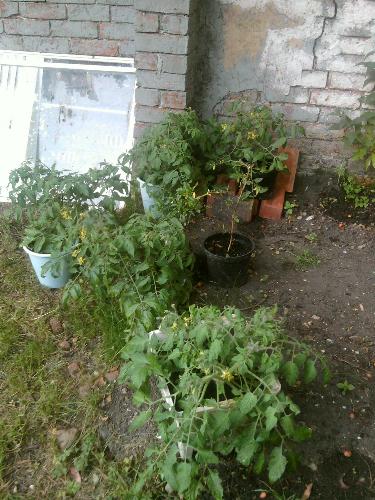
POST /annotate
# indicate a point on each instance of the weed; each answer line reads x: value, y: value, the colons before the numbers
x: 345, y: 387
x: 312, y: 237
x: 289, y: 208
x: 306, y: 260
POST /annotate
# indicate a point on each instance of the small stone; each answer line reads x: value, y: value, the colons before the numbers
x: 65, y: 345
x: 56, y: 325
x: 315, y: 317
x: 73, y: 369
x: 66, y: 437
x: 84, y: 390
x: 112, y: 376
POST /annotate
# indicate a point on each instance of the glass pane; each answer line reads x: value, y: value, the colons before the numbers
x: 75, y: 117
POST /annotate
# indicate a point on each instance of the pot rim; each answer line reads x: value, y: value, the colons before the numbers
x: 36, y: 254
x: 229, y: 259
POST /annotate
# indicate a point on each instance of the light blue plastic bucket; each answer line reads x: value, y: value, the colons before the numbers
x: 45, y: 277
x: 147, y: 200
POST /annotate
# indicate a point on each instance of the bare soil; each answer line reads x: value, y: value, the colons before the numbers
x: 331, y: 307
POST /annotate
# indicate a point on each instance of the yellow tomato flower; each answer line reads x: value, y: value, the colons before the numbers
x: 174, y: 326
x: 65, y: 214
x: 251, y: 135
x: 75, y: 253
x: 83, y: 233
x: 227, y: 376
x: 81, y: 260
x: 224, y: 127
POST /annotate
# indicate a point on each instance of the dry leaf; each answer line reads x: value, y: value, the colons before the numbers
x: 307, y: 493
x: 56, y: 325
x: 76, y: 476
x: 73, y: 369
x: 347, y: 453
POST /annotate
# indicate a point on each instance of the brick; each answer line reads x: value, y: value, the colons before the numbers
x: 26, y: 27
x: 127, y: 48
x: 170, y: 63
x: 356, y: 45
x: 349, y: 81
x: 314, y: 79
x: 147, y: 22
x: 78, y: 29
x: 335, y: 98
x: 164, y: 6
x: 147, y: 97
x: 167, y: 44
x: 148, y: 114
x: 272, y: 208
x: 322, y: 131
x: 11, y: 42
x: 163, y: 81
x: 128, y: 3
x: 173, y: 100
x: 122, y: 14
x: 70, y: 1
x: 174, y: 24
x: 140, y: 129
x: 116, y: 31
x: 46, y: 44
x: 145, y: 60
x: 8, y: 9
x: 330, y: 115
x: 296, y: 112
x: 42, y: 11
x: 297, y: 95
x: 108, y: 48
x: 88, y: 12
x: 221, y: 207
x: 286, y: 180
x: 345, y: 63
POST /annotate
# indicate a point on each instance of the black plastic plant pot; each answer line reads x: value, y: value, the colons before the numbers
x: 228, y: 260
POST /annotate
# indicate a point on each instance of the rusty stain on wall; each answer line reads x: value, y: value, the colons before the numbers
x: 246, y: 30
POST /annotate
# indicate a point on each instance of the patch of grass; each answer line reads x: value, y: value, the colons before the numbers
x: 38, y: 396
x: 306, y: 260
x: 312, y: 237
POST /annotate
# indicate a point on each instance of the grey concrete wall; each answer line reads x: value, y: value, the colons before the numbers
x: 89, y: 27
x: 301, y: 57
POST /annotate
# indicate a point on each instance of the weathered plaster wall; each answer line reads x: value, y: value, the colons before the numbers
x: 301, y: 57
x: 88, y: 27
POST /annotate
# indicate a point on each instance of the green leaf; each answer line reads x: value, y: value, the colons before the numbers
x: 215, y: 350
x: 287, y: 423
x: 128, y: 245
x: 206, y: 457
x: 247, y: 403
x: 276, y: 465
x: 259, y: 463
x: 214, y: 485
x: 246, y: 452
x: 301, y: 433
x: 310, y: 371
x: 183, y: 476
x: 271, y: 419
x: 140, y: 420
x: 280, y: 142
x: 290, y: 372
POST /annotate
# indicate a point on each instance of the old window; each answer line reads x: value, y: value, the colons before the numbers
x: 75, y: 111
